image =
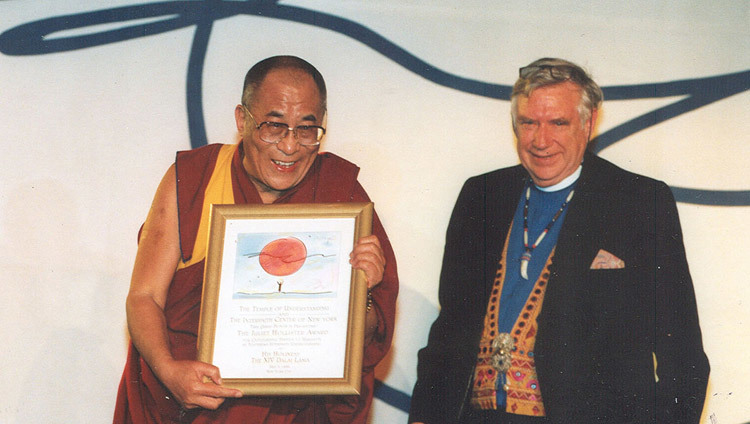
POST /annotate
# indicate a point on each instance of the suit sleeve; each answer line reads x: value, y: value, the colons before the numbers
x: 682, y: 366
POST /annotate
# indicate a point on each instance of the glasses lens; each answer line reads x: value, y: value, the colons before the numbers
x: 272, y: 132
x: 309, y: 134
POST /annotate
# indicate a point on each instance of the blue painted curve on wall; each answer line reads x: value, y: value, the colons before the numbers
x: 31, y: 39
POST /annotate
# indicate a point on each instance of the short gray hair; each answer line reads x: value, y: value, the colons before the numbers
x: 550, y: 71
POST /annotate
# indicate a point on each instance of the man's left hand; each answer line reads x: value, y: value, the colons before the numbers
x: 368, y: 256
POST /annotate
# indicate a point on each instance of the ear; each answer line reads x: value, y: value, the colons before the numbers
x: 239, y: 118
x: 592, y: 122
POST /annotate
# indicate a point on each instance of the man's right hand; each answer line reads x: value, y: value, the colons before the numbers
x: 195, y: 384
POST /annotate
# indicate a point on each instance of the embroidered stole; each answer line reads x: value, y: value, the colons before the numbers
x: 510, y: 356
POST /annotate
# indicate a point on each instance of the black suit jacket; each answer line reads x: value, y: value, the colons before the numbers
x: 599, y: 330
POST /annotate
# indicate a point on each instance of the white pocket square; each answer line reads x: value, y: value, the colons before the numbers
x: 606, y: 260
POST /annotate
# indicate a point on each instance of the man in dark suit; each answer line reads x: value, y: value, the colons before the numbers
x: 565, y: 292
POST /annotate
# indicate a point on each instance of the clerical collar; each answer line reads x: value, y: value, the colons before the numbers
x: 567, y: 182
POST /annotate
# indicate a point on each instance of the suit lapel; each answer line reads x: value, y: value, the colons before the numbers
x: 576, y: 245
x: 502, y: 199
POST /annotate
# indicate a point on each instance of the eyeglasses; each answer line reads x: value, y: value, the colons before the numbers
x: 273, y: 132
x: 554, y: 71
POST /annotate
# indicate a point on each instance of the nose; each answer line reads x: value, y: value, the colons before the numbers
x: 541, y: 138
x: 288, y: 144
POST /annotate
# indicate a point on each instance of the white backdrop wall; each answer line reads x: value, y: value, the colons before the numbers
x: 97, y: 95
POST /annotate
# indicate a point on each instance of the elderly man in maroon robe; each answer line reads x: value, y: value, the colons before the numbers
x: 276, y: 161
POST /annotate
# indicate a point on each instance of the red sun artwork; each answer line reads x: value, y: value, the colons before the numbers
x: 283, y: 256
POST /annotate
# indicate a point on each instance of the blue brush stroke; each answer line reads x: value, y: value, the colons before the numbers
x: 31, y: 39
x: 194, y: 80
x: 391, y: 396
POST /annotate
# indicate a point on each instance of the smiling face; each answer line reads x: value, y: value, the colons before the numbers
x: 551, y: 137
x: 289, y: 96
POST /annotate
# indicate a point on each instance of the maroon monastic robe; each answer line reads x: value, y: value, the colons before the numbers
x: 143, y: 399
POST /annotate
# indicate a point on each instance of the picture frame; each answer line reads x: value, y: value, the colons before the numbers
x: 283, y: 312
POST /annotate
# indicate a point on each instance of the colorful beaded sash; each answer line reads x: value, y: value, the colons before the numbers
x: 511, y: 355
